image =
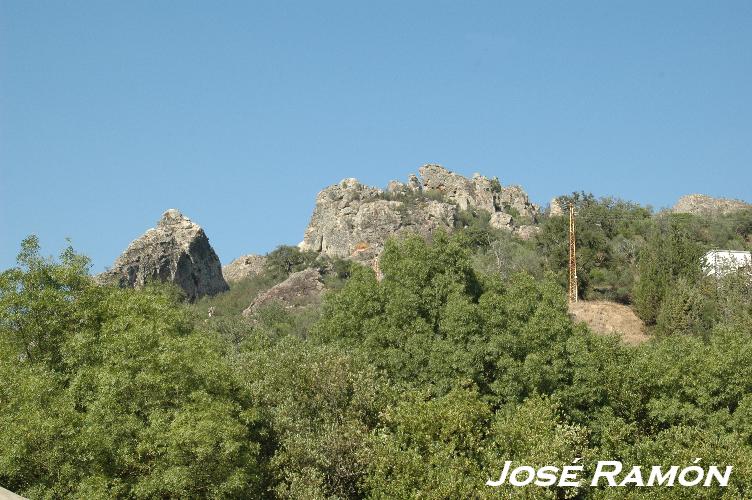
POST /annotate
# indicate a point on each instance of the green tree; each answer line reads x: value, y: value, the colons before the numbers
x: 685, y: 310
x: 670, y: 253
x: 609, y: 232
x: 285, y: 260
x: 430, y: 448
x: 433, y: 322
x: 321, y: 404
x: 40, y: 303
x: 534, y: 433
x: 109, y: 392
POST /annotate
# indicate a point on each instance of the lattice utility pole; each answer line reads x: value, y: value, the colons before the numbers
x: 572, y: 257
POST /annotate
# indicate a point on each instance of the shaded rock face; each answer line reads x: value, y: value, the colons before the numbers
x: 352, y: 220
x: 243, y: 267
x: 700, y: 204
x: 176, y: 251
x: 298, y: 290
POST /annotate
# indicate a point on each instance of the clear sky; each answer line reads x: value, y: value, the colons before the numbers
x: 238, y: 113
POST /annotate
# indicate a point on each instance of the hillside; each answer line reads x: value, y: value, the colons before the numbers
x: 609, y: 318
x: 417, y: 330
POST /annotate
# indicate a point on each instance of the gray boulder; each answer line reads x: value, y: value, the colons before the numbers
x: 298, y: 290
x: 501, y: 220
x: 176, y: 251
x: 243, y: 267
x: 527, y: 232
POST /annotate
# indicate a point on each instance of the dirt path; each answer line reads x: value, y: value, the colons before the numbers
x: 609, y: 318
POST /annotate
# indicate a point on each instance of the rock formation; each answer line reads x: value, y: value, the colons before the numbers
x: 527, y: 232
x: 298, y: 290
x: 479, y: 192
x: 243, y: 267
x: 556, y: 207
x: 700, y: 204
x: 352, y: 220
x: 176, y: 251
x: 501, y: 220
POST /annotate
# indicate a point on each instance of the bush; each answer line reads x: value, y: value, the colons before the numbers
x: 684, y: 311
x: 285, y: 260
x: 418, y: 385
x: 670, y: 253
x: 110, y: 392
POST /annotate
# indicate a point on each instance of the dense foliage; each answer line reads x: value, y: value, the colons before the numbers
x: 418, y: 385
x: 113, y: 393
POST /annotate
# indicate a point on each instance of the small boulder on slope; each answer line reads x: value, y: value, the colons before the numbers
x: 299, y: 289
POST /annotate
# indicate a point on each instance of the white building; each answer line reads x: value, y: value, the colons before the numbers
x: 722, y: 262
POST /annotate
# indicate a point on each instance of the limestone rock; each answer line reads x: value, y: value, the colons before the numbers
x: 352, y: 220
x: 413, y: 183
x: 501, y: 220
x: 555, y: 208
x: 454, y: 187
x: 396, y: 187
x: 479, y: 192
x: 527, y: 232
x: 700, y: 204
x: 243, y: 267
x: 176, y: 251
x: 298, y: 290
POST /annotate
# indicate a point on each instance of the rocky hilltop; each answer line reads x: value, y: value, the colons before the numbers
x: 352, y: 220
x: 176, y: 251
x: 479, y: 192
x: 701, y: 204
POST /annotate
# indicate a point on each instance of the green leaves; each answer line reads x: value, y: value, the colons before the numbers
x: 430, y: 448
x: 111, y: 393
x: 40, y: 301
x: 319, y: 404
x: 419, y: 385
x: 609, y: 232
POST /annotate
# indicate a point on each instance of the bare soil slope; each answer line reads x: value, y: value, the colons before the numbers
x: 610, y: 318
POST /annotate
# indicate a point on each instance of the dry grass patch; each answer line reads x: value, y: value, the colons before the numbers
x: 610, y: 318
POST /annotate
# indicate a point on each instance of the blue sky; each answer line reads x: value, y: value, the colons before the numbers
x: 238, y: 113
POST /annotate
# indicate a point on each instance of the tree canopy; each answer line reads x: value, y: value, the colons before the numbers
x: 418, y: 385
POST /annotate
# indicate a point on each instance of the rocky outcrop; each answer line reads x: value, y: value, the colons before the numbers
x: 700, y: 204
x: 556, y: 207
x: 244, y: 267
x: 298, y: 290
x: 527, y: 232
x: 176, y: 251
x: 479, y: 192
x: 352, y: 220
x: 501, y: 220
